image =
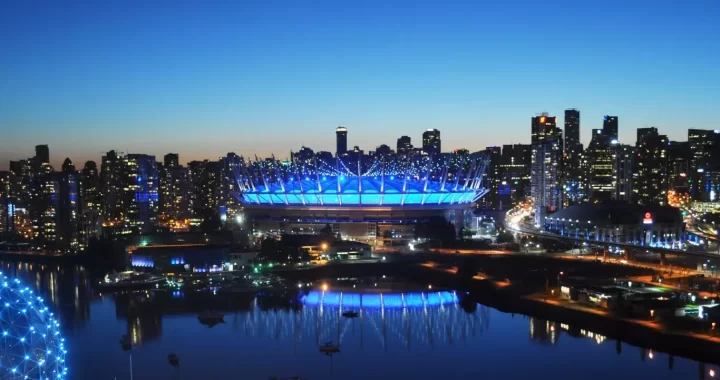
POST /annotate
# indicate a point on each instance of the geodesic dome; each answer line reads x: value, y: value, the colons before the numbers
x: 31, y: 347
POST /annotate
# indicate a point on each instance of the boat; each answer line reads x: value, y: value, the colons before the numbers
x: 350, y: 314
x: 329, y: 348
x: 211, y: 318
x: 174, y: 360
x: 131, y: 279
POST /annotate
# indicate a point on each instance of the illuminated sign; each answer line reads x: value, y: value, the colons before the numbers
x: 542, y: 119
x: 648, y: 218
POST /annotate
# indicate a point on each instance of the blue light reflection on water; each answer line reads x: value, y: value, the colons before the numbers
x: 384, y: 343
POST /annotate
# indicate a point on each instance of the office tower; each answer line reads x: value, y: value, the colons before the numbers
x: 546, y: 166
x: 704, y: 162
x: 171, y: 160
x: 600, y: 167
x: 90, y: 201
x: 492, y: 179
x: 341, y: 141
x: 431, y: 142
x: 651, y: 174
x: 42, y: 154
x: 679, y: 157
x: 623, y: 157
x: 701, y: 142
x: 205, y: 177
x: 515, y: 174
x: 574, y: 174
x: 572, y: 128
x: 404, y: 145
x: 610, y: 127
x: 68, y: 217
x: 542, y: 127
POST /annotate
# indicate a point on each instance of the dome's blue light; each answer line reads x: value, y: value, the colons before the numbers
x: 365, y: 191
x: 29, y: 337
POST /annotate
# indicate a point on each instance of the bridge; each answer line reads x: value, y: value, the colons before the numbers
x: 629, y: 248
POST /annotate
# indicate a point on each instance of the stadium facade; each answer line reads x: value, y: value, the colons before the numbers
x: 370, y: 199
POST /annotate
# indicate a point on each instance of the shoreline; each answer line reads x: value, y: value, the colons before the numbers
x: 634, y: 332
x: 508, y: 299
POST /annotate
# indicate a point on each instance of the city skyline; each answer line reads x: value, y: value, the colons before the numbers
x: 142, y: 78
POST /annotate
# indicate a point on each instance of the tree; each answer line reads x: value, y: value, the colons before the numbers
x: 436, y: 229
x: 271, y: 250
x: 211, y: 221
x: 326, y: 231
x: 505, y: 237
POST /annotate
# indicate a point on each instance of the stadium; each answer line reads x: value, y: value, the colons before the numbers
x: 378, y: 200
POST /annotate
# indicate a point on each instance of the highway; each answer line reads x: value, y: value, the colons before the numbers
x: 516, y: 227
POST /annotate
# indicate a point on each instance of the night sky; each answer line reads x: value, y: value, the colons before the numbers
x: 256, y: 77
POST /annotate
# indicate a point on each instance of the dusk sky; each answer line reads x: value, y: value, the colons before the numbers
x: 257, y: 77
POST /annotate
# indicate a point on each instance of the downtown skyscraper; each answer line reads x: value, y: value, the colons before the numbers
x: 341, y: 145
x: 651, y: 180
x: 575, y: 179
x: 431, y: 142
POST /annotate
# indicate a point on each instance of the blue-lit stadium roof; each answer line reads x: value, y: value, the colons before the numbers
x: 360, y: 192
x: 385, y: 300
x: 268, y: 183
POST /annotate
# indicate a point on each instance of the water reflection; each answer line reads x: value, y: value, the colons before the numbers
x: 67, y: 288
x: 280, y: 334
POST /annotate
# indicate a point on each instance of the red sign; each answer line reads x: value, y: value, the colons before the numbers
x: 648, y: 218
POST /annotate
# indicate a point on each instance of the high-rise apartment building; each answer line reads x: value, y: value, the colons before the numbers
x: 205, y: 180
x: 140, y: 196
x: 341, y: 141
x: 6, y: 206
x: 600, y: 167
x: 111, y: 182
x: 651, y: 174
x: 431, y: 142
x: 515, y: 174
x: 130, y: 187
x: 575, y: 181
x: 231, y: 164
x: 679, y: 174
x: 69, y: 234
x: 546, y: 166
x: 492, y: 178
x: 90, y: 201
x: 623, y: 157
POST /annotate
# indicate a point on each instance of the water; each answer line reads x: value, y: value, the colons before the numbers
x: 428, y: 340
